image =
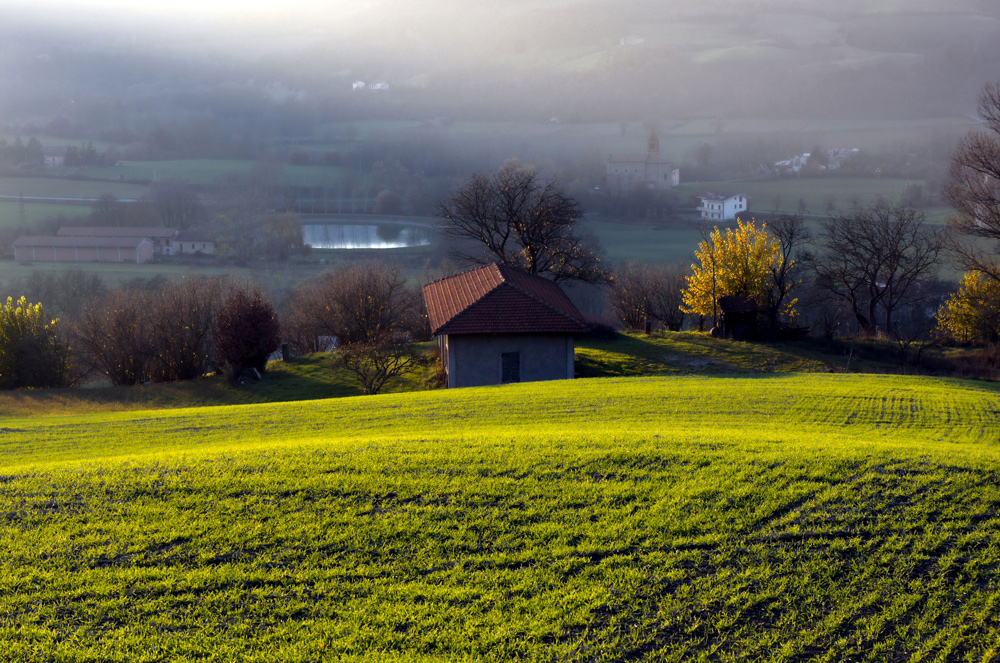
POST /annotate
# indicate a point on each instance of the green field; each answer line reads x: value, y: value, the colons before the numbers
x: 817, y: 193
x: 68, y: 188
x: 10, y: 212
x: 207, y: 171
x: 788, y: 517
x: 645, y: 243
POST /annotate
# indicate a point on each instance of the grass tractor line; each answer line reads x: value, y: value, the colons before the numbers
x: 747, y: 517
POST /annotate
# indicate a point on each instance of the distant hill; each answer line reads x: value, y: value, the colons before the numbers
x: 583, y: 60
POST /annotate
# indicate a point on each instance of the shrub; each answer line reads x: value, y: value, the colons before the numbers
x: 31, y: 353
x: 183, y: 324
x: 375, y: 361
x: 358, y: 304
x: 115, y: 337
x: 246, y: 331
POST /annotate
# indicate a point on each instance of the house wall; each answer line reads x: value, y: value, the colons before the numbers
x: 474, y: 360
x: 177, y: 247
x: 84, y: 254
x: 727, y: 209
x: 627, y: 175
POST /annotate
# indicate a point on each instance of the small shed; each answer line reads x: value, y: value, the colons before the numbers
x: 739, y: 316
x: 497, y: 324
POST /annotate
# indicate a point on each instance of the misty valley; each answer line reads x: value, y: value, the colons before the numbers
x: 491, y: 330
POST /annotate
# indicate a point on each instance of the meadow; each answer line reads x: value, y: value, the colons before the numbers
x: 763, y: 518
x: 67, y: 188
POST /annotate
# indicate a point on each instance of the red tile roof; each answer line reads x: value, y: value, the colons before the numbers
x: 497, y: 299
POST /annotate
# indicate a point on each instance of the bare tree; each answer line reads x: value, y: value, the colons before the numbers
x: 182, y: 313
x: 375, y: 361
x: 973, y: 190
x: 114, y: 337
x: 107, y: 210
x: 176, y: 202
x: 643, y: 293
x: 283, y: 236
x: 246, y: 199
x: 513, y: 217
x: 873, y: 258
x: 791, y: 231
x: 358, y: 304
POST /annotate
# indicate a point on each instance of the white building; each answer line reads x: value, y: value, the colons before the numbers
x: 835, y: 158
x: 722, y: 208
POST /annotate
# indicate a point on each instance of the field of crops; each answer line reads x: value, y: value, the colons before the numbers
x: 695, y: 518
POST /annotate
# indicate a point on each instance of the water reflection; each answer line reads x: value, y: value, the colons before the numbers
x: 365, y: 236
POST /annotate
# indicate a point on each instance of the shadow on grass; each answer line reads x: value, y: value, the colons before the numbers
x: 665, y: 353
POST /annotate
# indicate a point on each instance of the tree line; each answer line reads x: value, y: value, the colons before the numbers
x: 163, y: 330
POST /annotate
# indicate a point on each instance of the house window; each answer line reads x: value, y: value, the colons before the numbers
x: 510, y: 367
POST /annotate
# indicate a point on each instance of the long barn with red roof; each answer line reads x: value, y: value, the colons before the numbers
x: 497, y: 324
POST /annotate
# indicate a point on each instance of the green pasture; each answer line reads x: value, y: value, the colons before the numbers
x: 677, y: 353
x: 777, y: 518
x: 816, y: 192
x: 643, y: 242
x: 309, y: 377
x: 196, y: 170
x: 207, y: 171
x: 66, y: 188
x: 10, y: 212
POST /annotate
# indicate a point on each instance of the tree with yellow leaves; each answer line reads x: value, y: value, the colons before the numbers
x: 972, y: 313
x: 31, y: 354
x: 745, y: 261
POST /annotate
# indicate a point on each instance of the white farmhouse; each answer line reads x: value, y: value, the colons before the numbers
x: 722, y: 208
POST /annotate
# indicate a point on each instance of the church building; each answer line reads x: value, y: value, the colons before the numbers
x: 627, y: 171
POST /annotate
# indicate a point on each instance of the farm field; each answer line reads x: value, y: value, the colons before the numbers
x: 207, y: 171
x: 643, y: 242
x: 784, y: 517
x: 10, y: 212
x: 67, y: 188
x: 818, y: 193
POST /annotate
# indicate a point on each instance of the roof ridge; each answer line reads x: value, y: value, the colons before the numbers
x: 463, y: 273
x: 543, y: 303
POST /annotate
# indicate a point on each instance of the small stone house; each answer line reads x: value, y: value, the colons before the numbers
x: 739, y: 317
x: 497, y: 324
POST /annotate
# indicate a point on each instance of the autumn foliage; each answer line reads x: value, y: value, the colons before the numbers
x: 31, y: 353
x: 973, y: 313
x: 742, y: 261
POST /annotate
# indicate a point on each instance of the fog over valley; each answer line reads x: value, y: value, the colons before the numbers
x: 580, y: 61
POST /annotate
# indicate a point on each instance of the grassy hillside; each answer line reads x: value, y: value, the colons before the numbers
x: 693, y: 518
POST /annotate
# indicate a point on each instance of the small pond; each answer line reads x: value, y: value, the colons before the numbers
x: 373, y: 235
